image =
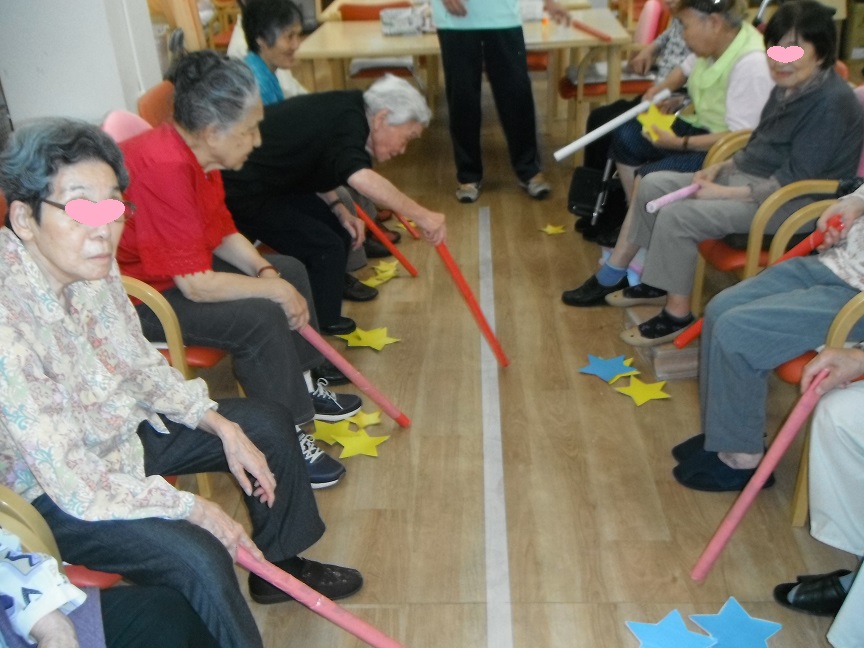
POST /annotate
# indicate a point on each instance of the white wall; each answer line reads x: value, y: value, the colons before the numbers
x: 75, y: 58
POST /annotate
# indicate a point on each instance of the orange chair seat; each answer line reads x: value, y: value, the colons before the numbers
x: 374, y: 73
x: 719, y: 255
x: 369, y: 12
x: 83, y: 577
x: 791, y: 371
x: 199, y: 357
x: 567, y: 89
x: 538, y: 61
x: 223, y: 39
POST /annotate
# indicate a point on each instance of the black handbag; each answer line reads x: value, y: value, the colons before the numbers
x: 598, y: 201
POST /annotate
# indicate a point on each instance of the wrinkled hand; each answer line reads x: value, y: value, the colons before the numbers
x: 843, y: 365
x: 292, y: 302
x: 434, y: 228
x: 665, y: 139
x: 708, y: 174
x: 849, y: 210
x: 354, y: 226
x: 640, y: 63
x: 225, y: 529
x: 455, y: 7
x: 54, y: 630
x: 243, y: 457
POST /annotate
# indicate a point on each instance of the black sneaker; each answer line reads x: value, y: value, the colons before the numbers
x: 332, y: 581
x: 332, y: 407
x: 324, y: 470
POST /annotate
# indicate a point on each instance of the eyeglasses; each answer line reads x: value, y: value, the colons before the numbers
x: 128, y: 211
x: 709, y: 6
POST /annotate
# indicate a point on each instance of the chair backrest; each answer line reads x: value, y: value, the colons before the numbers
x: 157, y: 104
x: 647, y: 28
x: 19, y: 516
x: 167, y: 318
x: 122, y: 125
x: 368, y: 11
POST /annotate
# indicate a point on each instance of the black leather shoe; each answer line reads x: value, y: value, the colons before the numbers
x: 357, y: 291
x: 687, y: 448
x: 591, y: 293
x: 820, y: 595
x: 332, y: 581
x: 374, y: 249
x: 329, y: 372
x: 342, y: 326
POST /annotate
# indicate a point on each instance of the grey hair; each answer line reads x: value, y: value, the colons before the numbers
x: 34, y: 155
x: 403, y: 101
x: 211, y: 90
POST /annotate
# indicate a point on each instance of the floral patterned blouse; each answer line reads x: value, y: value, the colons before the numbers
x: 75, y: 383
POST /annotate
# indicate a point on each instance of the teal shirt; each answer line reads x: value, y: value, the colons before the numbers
x: 482, y: 14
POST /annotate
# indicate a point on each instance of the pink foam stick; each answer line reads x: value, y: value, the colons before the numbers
x: 795, y: 421
x: 473, y: 306
x: 385, y: 241
x: 803, y: 248
x: 655, y: 205
x: 408, y: 226
x: 354, y: 375
x: 316, y: 602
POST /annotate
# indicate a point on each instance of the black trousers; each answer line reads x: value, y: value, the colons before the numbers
x: 464, y: 53
x: 303, y: 227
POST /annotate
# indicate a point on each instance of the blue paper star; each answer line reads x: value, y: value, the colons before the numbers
x: 734, y: 628
x: 608, y: 369
x: 669, y: 633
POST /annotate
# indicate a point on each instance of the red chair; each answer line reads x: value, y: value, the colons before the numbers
x: 157, y: 104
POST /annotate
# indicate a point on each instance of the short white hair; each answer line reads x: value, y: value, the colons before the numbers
x: 402, y: 101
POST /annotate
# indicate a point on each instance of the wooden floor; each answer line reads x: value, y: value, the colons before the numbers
x: 598, y: 531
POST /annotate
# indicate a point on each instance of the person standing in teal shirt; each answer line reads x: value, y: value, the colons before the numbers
x: 478, y: 34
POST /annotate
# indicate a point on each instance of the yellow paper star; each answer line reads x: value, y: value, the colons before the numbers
x: 410, y: 222
x: 372, y: 282
x: 643, y: 392
x: 632, y: 372
x: 656, y: 118
x: 326, y: 432
x: 385, y: 266
x: 364, y: 420
x: 360, y: 443
x: 375, y: 338
x: 553, y: 229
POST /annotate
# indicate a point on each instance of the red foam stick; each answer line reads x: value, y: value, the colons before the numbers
x: 444, y: 253
x: 803, y: 248
x: 354, y: 375
x: 797, y: 418
x: 385, y: 241
x: 588, y: 29
x: 408, y: 226
x: 316, y: 602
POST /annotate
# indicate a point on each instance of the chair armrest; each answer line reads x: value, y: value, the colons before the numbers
x: 845, y: 321
x: 726, y: 147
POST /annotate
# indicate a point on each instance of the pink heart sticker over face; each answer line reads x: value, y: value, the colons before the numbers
x: 785, y: 54
x: 95, y: 214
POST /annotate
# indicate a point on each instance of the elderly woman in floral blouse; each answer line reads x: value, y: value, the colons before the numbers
x: 92, y: 415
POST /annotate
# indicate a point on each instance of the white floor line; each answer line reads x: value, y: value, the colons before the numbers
x: 499, y: 621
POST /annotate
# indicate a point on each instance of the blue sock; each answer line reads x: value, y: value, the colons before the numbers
x: 610, y: 275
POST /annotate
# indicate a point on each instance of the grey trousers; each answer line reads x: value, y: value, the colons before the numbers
x: 673, y: 234
x: 753, y: 327
x: 186, y: 557
x: 836, y: 485
x: 269, y: 358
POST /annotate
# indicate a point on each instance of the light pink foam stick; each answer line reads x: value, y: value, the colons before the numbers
x: 315, y: 601
x: 794, y: 423
x: 655, y: 205
x: 354, y: 375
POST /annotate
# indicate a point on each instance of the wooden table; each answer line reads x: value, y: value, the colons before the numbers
x: 337, y: 42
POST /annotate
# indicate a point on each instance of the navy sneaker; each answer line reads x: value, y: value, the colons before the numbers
x: 324, y: 470
x: 333, y: 407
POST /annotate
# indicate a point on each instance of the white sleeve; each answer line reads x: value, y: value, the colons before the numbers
x: 687, y: 64
x: 237, y: 47
x: 747, y: 92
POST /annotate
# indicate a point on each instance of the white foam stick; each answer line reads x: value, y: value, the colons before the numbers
x: 609, y: 126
